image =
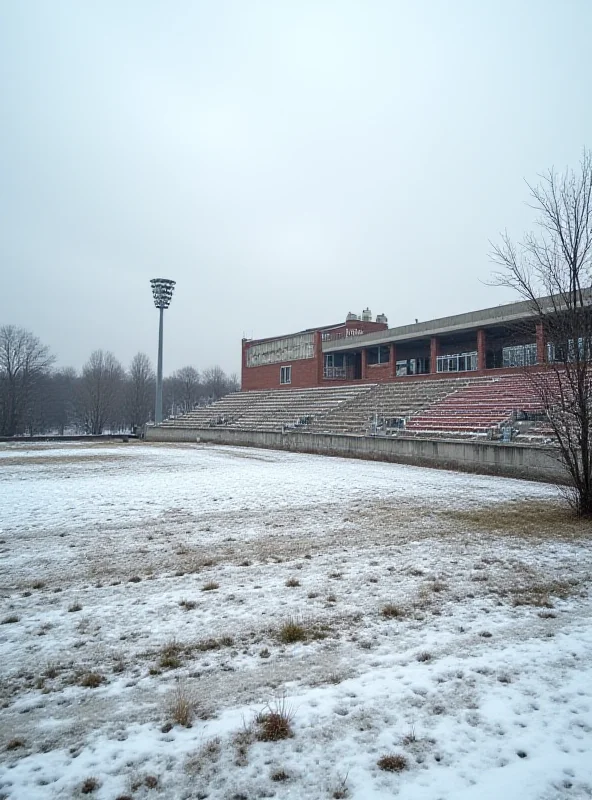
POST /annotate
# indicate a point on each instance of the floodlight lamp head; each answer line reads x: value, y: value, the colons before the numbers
x: 162, y: 290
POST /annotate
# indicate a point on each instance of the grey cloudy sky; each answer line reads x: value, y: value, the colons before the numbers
x: 286, y: 161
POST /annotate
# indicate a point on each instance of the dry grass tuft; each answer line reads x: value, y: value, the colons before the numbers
x: 391, y: 611
x: 210, y: 586
x: 10, y: 619
x: 275, y: 721
x: 292, y: 631
x: 279, y: 775
x: 91, y: 680
x: 181, y: 706
x: 423, y: 656
x: 15, y: 744
x: 206, y: 755
x: 170, y: 655
x: 292, y: 582
x: 89, y: 785
x: 38, y: 584
x: 188, y: 605
x: 74, y: 607
x: 392, y: 763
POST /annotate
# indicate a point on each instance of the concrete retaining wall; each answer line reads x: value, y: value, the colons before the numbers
x: 513, y: 460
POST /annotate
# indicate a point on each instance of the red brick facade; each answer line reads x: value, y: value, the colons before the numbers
x: 306, y: 372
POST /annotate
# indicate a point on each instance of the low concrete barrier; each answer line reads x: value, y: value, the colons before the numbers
x: 513, y: 460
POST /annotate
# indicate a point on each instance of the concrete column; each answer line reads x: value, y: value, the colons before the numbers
x: 434, y: 353
x: 393, y: 362
x: 481, y: 344
x: 541, y: 343
x: 320, y: 357
x: 364, y: 364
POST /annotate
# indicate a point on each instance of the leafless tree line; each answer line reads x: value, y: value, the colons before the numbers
x: 37, y: 398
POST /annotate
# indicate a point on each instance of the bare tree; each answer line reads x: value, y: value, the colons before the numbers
x: 187, y: 388
x: 24, y: 362
x: 216, y: 383
x: 101, y: 392
x: 552, y: 271
x: 140, y: 391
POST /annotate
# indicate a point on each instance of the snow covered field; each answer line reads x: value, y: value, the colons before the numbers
x: 444, y: 618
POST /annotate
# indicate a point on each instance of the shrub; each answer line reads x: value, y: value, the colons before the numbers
x: 292, y: 582
x: 10, y: 619
x: 38, y: 584
x: 392, y: 763
x: 424, y: 656
x: 134, y: 579
x: 210, y: 586
x: 188, y: 605
x: 75, y: 607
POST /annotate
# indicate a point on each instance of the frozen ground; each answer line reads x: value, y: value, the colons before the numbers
x: 481, y: 680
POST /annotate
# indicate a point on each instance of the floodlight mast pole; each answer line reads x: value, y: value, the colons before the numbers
x: 158, y: 408
x: 162, y: 290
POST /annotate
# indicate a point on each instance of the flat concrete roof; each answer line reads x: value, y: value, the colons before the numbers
x: 498, y: 315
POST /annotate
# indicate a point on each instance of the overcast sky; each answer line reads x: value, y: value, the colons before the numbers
x: 285, y: 161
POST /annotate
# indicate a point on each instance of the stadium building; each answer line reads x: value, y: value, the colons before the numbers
x: 360, y: 350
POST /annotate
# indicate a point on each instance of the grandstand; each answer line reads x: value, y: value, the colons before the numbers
x: 453, y: 407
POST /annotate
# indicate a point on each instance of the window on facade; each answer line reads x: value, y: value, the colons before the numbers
x: 459, y: 362
x: 285, y: 375
x: 378, y: 355
x: 522, y: 355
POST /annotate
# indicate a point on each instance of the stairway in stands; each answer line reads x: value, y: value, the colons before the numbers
x: 478, y: 407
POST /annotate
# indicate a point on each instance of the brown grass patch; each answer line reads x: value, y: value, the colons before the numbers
x: 541, y: 519
x: 392, y: 611
x: 392, y: 763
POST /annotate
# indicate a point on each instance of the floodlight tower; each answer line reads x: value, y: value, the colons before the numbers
x: 162, y: 290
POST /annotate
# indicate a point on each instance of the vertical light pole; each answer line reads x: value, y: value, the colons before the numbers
x: 162, y: 290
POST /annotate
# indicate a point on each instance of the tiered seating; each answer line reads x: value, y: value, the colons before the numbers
x: 478, y: 407
x: 388, y: 401
x: 270, y: 410
x: 461, y: 406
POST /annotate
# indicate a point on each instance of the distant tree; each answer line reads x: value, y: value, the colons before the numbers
x: 62, y: 399
x: 24, y: 364
x: 101, y: 392
x: 140, y: 391
x: 552, y: 271
x: 216, y: 383
x: 187, y: 388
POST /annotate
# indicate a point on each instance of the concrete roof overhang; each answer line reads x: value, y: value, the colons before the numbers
x: 507, y: 314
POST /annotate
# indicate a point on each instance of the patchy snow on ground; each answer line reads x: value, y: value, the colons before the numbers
x: 439, y: 617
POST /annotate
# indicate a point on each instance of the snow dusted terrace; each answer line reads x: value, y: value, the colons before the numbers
x: 479, y: 674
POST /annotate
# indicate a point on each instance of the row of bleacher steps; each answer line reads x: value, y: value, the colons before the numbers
x: 270, y: 410
x: 478, y: 408
x: 397, y: 400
